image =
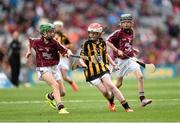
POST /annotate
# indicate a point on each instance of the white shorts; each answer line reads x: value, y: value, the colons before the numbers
x: 64, y: 63
x: 99, y: 80
x: 126, y: 66
x: 52, y: 69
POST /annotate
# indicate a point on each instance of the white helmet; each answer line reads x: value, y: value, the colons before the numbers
x: 95, y: 27
x: 58, y: 23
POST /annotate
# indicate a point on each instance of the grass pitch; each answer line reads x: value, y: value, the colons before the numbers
x: 88, y: 105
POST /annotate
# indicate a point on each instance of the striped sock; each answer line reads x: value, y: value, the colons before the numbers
x: 141, y: 96
x: 50, y: 96
x: 60, y: 106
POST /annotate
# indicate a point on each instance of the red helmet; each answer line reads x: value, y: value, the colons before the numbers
x: 95, y: 27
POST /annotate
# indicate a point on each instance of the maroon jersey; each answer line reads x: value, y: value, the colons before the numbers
x: 46, y: 54
x: 123, y: 41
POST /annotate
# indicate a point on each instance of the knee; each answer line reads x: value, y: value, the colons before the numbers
x: 141, y: 78
x: 118, y: 84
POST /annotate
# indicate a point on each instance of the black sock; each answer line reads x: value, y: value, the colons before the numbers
x: 125, y: 105
x: 111, y: 100
x: 60, y: 106
x: 141, y: 98
x: 50, y: 96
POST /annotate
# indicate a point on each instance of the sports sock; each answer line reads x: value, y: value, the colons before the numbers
x: 60, y: 106
x: 111, y: 100
x: 141, y: 96
x: 50, y: 96
x: 125, y: 104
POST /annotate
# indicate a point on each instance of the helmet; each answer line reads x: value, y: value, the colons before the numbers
x: 95, y: 27
x: 46, y: 27
x: 124, y: 17
x: 58, y: 23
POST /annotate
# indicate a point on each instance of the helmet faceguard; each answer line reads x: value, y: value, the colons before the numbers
x: 125, y: 17
x: 126, y: 21
x: 95, y: 30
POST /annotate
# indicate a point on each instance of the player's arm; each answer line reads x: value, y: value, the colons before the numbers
x: 81, y: 61
x: 119, y: 52
x: 136, y: 51
x: 115, y: 66
x: 111, y: 61
x: 28, y: 53
x: 69, y: 46
x: 56, y: 38
x: 69, y: 52
x: 114, y: 37
x: 111, y: 46
x: 64, y: 51
x: 82, y: 53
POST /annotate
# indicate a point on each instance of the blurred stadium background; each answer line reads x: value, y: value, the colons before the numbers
x: 156, y: 23
x: 157, y: 31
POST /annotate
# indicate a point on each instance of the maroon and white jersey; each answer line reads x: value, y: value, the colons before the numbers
x: 47, y: 54
x: 122, y: 40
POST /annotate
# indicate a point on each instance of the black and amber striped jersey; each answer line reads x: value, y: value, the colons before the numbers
x: 97, y: 49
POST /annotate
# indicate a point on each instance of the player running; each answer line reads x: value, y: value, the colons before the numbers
x: 121, y: 41
x: 47, y: 58
x: 99, y: 74
x: 64, y: 64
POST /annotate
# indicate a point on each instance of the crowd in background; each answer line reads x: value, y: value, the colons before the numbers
x: 157, y: 24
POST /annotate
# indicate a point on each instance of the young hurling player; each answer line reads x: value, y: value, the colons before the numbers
x: 64, y: 64
x: 47, y: 57
x: 121, y: 41
x: 99, y: 74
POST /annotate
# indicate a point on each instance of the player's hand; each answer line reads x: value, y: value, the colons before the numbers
x: 136, y: 51
x: 119, y: 52
x: 84, y: 66
x: 82, y: 63
x: 115, y: 67
x: 28, y: 54
x: 69, y: 53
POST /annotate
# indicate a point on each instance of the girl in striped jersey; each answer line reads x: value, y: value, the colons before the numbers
x: 99, y: 74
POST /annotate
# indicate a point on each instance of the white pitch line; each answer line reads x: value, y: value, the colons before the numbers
x: 77, y: 101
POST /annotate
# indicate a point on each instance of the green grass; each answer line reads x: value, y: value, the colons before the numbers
x: 88, y: 105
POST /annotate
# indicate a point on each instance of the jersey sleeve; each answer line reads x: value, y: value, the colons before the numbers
x: 113, y: 37
x: 32, y: 43
x: 83, y: 49
x: 62, y: 49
